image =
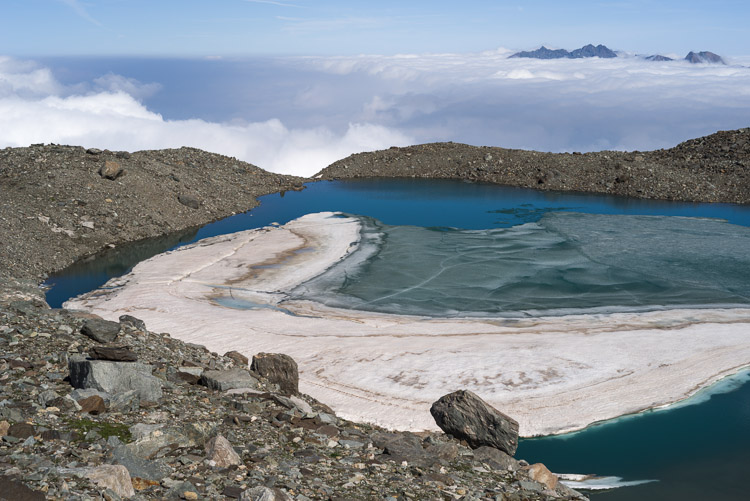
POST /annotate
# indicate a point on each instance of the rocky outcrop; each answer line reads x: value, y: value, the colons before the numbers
x: 465, y: 416
x: 228, y: 379
x: 585, y: 51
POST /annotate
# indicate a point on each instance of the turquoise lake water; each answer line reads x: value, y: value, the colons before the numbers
x: 485, y: 249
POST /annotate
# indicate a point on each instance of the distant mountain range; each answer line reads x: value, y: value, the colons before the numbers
x: 585, y: 51
x: 605, y: 52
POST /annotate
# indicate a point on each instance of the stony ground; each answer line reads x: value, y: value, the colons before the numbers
x: 66, y: 444
x: 714, y: 168
x: 56, y: 207
x: 60, y: 204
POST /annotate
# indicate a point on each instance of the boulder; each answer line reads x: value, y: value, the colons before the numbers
x: 238, y: 358
x: 189, y: 201
x: 402, y: 446
x: 93, y: 405
x: 111, y: 170
x: 115, y: 377
x: 21, y: 430
x: 12, y: 489
x: 111, y: 476
x: 220, y: 451
x: 539, y: 473
x: 115, y: 353
x: 279, y: 369
x: 227, y: 380
x: 131, y: 321
x: 100, y: 330
x: 467, y: 417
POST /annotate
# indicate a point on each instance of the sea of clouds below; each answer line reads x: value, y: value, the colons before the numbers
x: 303, y: 113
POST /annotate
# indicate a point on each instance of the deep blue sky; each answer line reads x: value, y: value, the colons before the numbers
x: 33, y: 28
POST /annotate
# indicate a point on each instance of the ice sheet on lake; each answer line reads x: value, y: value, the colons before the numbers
x: 565, y: 263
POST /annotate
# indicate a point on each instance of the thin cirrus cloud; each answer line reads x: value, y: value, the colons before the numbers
x: 298, y: 114
x: 81, y: 11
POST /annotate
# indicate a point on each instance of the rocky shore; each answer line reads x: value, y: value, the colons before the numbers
x: 714, y: 168
x: 176, y: 421
x: 91, y: 409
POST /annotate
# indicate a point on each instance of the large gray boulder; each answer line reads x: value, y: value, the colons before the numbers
x: 279, y: 369
x: 467, y: 417
x: 115, y: 377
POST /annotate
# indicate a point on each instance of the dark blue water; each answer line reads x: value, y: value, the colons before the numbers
x: 695, y: 452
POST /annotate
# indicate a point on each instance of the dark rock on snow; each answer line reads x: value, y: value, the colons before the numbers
x: 465, y: 416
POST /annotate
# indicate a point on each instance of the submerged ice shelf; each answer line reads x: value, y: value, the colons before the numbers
x: 602, y: 359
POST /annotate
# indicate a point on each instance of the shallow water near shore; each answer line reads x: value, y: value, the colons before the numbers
x: 433, y: 206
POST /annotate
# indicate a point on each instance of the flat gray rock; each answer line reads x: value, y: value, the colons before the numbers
x: 228, y: 380
x: 115, y: 377
x: 467, y: 417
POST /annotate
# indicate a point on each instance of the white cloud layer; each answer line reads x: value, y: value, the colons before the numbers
x: 298, y: 115
x: 34, y: 108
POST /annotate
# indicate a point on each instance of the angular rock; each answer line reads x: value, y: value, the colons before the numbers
x: 402, y: 447
x: 146, y: 446
x: 262, y: 493
x: 227, y: 380
x: 4, y: 426
x: 114, y: 353
x: 100, y: 330
x: 93, y: 405
x: 238, y: 358
x: 125, y: 402
x: 13, y: 490
x: 220, y: 451
x: 115, y: 377
x: 539, y: 473
x: 111, y: 170
x: 115, y: 477
x: 136, y: 323
x: 467, y: 417
x: 21, y: 430
x: 189, y: 201
x: 139, y: 467
x: 279, y: 369
x: 495, y: 458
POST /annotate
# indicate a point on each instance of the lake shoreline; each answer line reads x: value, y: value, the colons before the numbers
x: 595, y: 366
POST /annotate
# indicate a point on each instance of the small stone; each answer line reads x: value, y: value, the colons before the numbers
x: 262, y: 493
x: 238, y: 358
x: 93, y: 405
x: 189, y: 201
x: 111, y: 170
x: 4, y: 425
x: 94, y: 151
x: 219, y: 450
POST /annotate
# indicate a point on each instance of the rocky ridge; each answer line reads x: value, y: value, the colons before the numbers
x: 714, y: 168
